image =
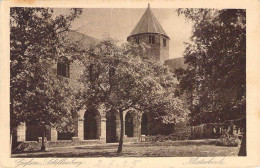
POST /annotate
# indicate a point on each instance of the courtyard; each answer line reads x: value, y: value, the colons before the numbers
x: 185, y: 148
x: 82, y: 94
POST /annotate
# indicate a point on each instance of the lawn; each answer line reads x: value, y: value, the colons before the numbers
x: 203, y: 148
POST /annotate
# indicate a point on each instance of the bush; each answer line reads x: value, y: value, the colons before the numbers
x: 228, y: 140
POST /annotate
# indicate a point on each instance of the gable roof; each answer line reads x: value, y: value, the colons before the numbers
x: 176, y: 63
x: 148, y: 24
x: 82, y: 40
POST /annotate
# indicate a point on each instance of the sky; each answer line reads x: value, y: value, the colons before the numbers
x: 118, y: 23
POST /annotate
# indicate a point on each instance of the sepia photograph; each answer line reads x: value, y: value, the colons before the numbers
x: 127, y: 82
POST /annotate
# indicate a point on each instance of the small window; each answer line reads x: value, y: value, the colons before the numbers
x: 63, y: 68
x: 137, y: 40
x: 164, y: 42
x: 112, y: 72
x: 93, y: 72
x: 151, y: 40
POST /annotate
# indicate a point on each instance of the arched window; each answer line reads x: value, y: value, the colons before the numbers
x: 94, y: 72
x: 63, y: 67
x: 164, y: 42
x: 151, y: 39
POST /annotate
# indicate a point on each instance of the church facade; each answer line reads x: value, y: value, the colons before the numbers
x: 91, y: 125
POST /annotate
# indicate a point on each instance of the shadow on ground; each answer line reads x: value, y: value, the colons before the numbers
x: 199, y: 148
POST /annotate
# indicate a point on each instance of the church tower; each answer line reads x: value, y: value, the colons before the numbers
x: 149, y: 31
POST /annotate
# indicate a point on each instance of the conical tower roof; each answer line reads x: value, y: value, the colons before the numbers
x: 148, y: 24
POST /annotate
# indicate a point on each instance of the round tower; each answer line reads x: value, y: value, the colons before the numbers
x: 149, y: 31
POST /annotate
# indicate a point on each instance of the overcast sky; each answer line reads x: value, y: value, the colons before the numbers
x: 119, y: 23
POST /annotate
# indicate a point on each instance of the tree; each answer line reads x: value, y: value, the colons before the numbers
x: 216, y: 72
x: 119, y: 78
x: 38, y: 95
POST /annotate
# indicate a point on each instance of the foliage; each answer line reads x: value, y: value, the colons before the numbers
x: 215, y: 79
x: 38, y: 95
x: 119, y: 79
x: 228, y: 140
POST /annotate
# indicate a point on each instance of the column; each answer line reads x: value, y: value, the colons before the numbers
x: 103, y: 129
x: 54, y: 134
x: 137, y: 127
x: 81, y: 129
x: 139, y: 130
x: 21, y: 132
x: 125, y: 136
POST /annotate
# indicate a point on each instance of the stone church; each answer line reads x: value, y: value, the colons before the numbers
x: 91, y: 125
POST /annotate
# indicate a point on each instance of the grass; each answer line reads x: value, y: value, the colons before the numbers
x: 202, y: 148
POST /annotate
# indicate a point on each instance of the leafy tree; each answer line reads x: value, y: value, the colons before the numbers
x: 38, y: 95
x: 215, y: 77
x: 118, y: 78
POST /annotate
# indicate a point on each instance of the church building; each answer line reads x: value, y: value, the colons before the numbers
x: 92, y: 126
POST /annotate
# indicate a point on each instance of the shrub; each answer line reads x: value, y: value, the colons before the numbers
x: 228, y: 140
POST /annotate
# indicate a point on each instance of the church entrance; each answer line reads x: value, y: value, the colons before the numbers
x: 111, y: 128
x: 92, y: 125
x: 144, y: 124
x: 129, y: 125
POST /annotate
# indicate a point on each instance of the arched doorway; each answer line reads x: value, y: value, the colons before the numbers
x: 111, y: 128
x: 92, y: 125
x: 129, y: 125
x: 144, y: 124
x: 33, y: 132
x: 64, y: 135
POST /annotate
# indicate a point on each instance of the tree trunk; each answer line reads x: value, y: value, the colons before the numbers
x: 43, y: 148
x: 120, y: 146
x: 14, y: 142
x: 242, y: 150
